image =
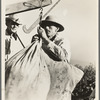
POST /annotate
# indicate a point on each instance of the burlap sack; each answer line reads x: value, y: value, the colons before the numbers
x: 26, y: 74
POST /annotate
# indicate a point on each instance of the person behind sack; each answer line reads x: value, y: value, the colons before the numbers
x: 12, y: 23
x: 56, y: 53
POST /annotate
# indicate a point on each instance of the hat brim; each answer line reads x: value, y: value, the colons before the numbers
x: 44, y: 23
x: 8, y: 20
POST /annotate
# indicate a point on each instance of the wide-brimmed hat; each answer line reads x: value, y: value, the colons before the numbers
x: 14, y: 19
x: 51, y: 20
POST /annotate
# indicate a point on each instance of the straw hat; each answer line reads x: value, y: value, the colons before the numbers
x: 51, y: 20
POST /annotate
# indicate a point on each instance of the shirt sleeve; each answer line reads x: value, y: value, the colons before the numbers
x: 66, y: 46
x: 60, y: 50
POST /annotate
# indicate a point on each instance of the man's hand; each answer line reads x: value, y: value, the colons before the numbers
x: 42, y: 33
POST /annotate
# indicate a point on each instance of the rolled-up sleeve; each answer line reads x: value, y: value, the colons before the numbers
x: 60, y: 51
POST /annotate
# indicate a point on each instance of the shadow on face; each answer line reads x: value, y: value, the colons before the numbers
x: 51, y: 31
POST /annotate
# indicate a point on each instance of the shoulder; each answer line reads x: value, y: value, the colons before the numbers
x: 63, y: 40
x: 58, y: 40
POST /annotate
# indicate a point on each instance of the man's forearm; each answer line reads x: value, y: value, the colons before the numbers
x: 55, y: 50
x: 46, y: 40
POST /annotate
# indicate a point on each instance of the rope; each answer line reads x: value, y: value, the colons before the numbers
x: 41, y: 11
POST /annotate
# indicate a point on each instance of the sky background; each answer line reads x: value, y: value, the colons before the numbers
x: 80, y: 19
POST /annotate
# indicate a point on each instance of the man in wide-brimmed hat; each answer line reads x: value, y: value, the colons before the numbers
x: 53, y: 44
x: 12, y: 23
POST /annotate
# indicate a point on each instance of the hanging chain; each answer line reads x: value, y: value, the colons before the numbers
x: 41, y: 11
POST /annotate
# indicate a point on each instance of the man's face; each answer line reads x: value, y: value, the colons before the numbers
x: 51, y: 31
x: 12, y: 27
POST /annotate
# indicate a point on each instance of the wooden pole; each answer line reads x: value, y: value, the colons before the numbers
x: 20, y: 41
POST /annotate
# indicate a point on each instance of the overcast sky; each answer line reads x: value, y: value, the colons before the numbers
x: 79, y: 18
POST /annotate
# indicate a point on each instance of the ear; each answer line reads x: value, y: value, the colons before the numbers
x: 57, y: 29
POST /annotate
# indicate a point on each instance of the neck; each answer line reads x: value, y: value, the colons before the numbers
x: 53, y: 38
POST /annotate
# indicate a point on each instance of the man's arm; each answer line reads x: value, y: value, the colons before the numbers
x: 56, y: 51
